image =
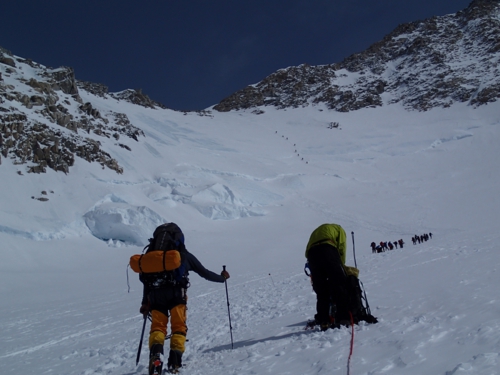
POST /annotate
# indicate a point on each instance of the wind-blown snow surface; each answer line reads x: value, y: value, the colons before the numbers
x: 248, y: 190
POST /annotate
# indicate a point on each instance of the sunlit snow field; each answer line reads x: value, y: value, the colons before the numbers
x: 248, y: 190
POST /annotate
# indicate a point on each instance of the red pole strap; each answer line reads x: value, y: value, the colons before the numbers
x: 352, y: 345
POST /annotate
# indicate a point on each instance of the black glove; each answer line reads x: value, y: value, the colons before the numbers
x: 144, y: 310
x: 225, y: 274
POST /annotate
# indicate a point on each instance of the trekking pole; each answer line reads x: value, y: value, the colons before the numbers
x: 354, y: 250
x: 272, y: 280
x: 228, y: 311
x: 140, y: 343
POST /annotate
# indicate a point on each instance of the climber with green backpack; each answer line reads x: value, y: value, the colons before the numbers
x: 339, y: 298
x: 163, y: 269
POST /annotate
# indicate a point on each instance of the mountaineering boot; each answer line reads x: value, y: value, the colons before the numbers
x: 174, y: 361
x: 324, y: 327
x: 370, y: 319
x: 310, y: 324
x: 156, y: 360
x: 155, y: 364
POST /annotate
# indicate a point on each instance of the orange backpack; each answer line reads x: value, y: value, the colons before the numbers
x: 162, y: 265
x: 155, y: 261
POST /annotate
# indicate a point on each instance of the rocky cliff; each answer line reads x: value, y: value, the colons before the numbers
x: 423, y: 64
x: 44, y: 123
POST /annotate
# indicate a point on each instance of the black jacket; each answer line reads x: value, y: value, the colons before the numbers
x: 175, y: 295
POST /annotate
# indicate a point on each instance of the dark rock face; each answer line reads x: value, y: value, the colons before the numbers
x: 94, y: 88
x: 62, y: 79
x: 7, y: 61
x: 137, y: 97
x: 60, y: 127
x: 422, y: 65
x: 41, y: 146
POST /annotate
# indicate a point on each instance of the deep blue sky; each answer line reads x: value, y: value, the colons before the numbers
x: 191, y: 54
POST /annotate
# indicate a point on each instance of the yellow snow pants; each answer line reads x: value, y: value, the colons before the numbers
x: 177, y: 324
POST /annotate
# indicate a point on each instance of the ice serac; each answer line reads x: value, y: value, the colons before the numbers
x: 122, y: 222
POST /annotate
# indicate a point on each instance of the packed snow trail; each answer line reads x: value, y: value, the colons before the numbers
x: 407, y: 288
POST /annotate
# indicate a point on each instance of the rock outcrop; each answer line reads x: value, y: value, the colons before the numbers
x: 137, y: 97
x: 422, y: 65
x: 44, y: 123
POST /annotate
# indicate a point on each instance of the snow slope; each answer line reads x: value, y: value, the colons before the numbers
x: 247, y: 190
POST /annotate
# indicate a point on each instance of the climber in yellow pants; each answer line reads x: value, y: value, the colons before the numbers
x: 164, y: 295
x: 178, y: 328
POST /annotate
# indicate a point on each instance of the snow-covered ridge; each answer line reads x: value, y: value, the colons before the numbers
x: 247, y: 191
x: 422, y: 64
x: 44, y: 123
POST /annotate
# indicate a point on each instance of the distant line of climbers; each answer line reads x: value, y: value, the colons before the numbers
x: 424, y: 237
x: 385, y: 246
x: 295, y: 145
